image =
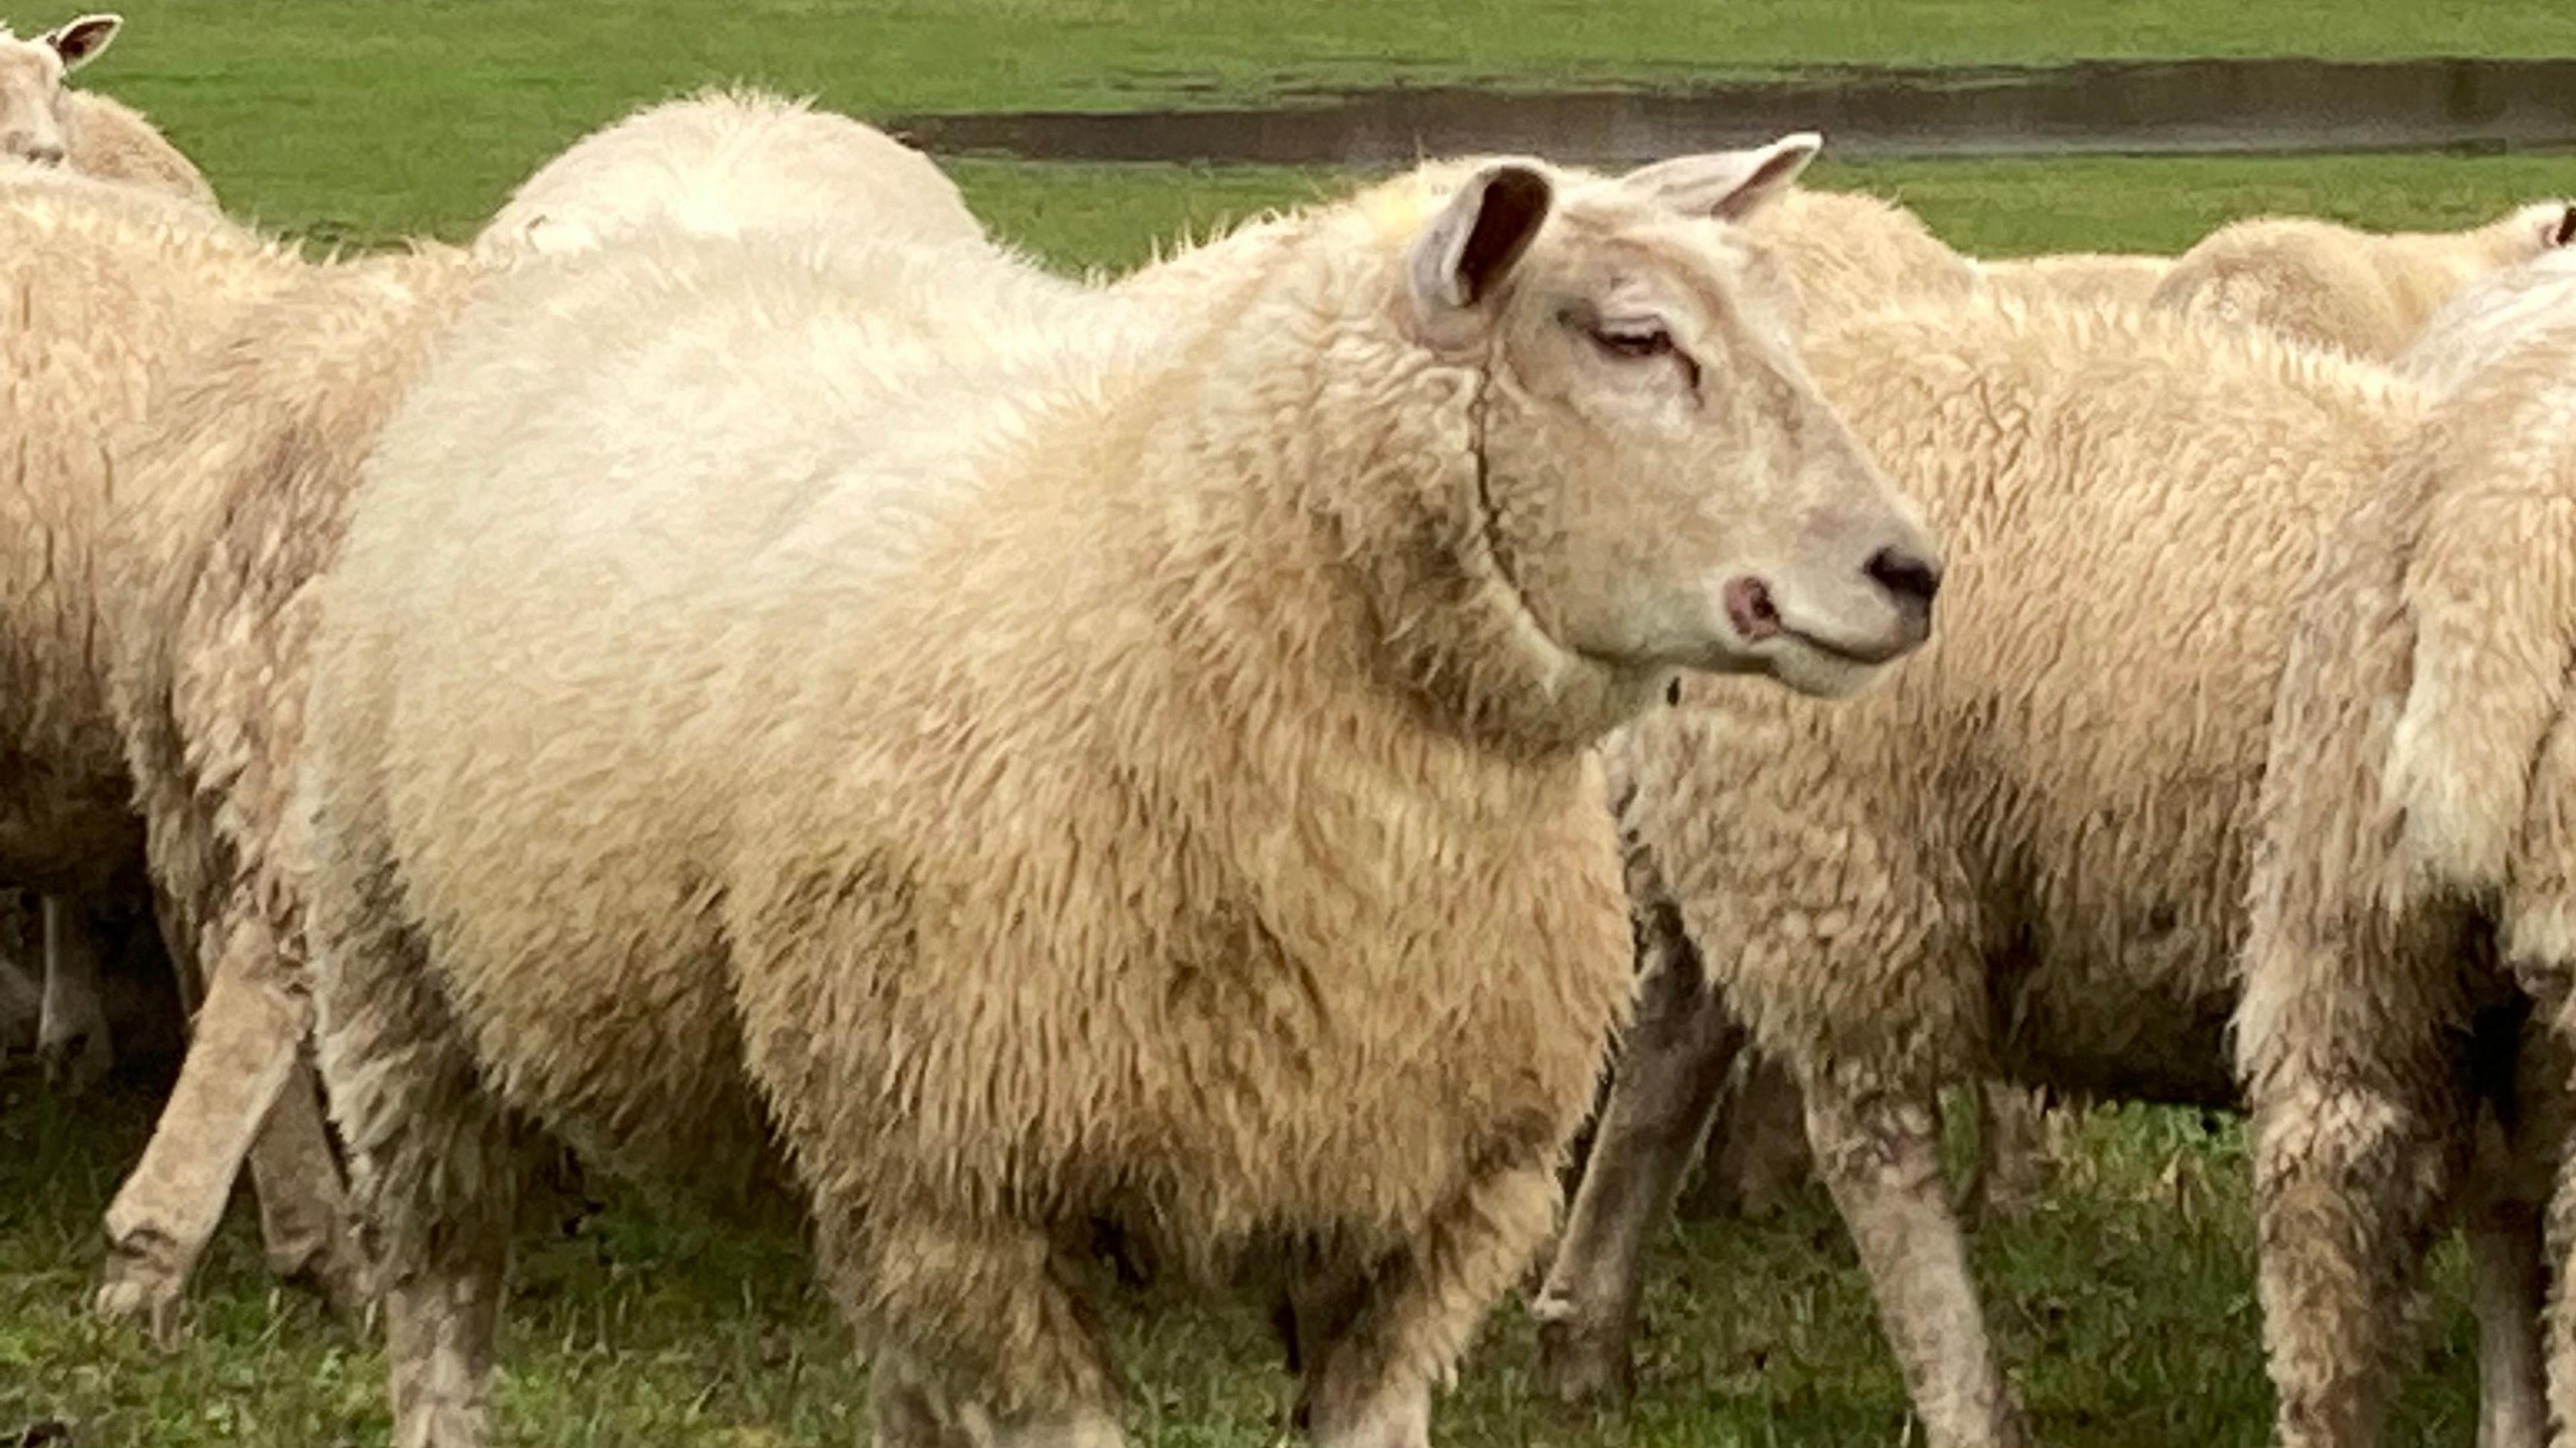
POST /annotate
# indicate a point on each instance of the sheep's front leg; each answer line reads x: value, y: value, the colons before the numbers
x: 1401, y: 1329
x: 242, y: 1070
x: 1670, y: 1071
x: 71, y: 1033
x: 974, y: 1326
x: 1880, y: 1157
x: 2017, y: 1142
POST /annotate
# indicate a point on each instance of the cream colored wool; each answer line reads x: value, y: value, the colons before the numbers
x: 726, y: 158
x: 1851, y: 252
x: 1136, y: 769
x: 2412, y: 899
x: 2077, y: 276
x: 2027, y: 856
x: 2490, y: 318
x: 247, y: 464
x: 2366, y: 293
x: 45, y: 123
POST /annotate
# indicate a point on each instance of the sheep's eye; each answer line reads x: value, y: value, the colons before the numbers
x: 1634, y: 340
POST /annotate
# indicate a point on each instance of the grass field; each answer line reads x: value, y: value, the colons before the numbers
x: 2124, y: 1303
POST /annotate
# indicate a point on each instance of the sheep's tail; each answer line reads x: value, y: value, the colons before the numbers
x: 2484, y: 785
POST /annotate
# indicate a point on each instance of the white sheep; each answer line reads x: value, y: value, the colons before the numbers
x: 244, y: 467
x: 2028, y: 856
x: 2412, y: 950
x: 2489, y: 318
x: 2367, y: 293
x: 45, y: 123
x: 1137, y: 769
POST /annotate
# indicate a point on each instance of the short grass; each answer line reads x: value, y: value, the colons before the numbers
x: 372, y: 117
x: 2123, y: 1303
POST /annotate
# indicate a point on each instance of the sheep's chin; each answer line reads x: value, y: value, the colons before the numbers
x: 1821, y: 673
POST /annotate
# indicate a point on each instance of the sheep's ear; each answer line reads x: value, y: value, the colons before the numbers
x: 1472, y: 245
x: 79, y: 41
x: 1728, y: 185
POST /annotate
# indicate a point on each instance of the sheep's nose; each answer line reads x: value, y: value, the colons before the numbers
x: 1912, y: 581
x: 43, y: 153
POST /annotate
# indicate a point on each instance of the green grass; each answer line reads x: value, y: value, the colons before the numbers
x: 360, y: 118
x: 2123, y: 1304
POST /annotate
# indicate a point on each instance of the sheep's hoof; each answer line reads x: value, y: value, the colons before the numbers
x: 74, y: 1064
x: 342, y: 1276
x: 140, y: 1290
x: 1581, y: 1364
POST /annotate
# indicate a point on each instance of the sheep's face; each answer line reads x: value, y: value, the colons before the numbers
x: 1658, y: 479
x: 33, y: 126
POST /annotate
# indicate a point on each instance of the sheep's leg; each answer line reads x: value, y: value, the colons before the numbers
x: 71, y: 1035
x: 1881, y: 1160
x: 241, y: 1061
x: 1669, y: 1073
x: 304, y: 1220
x: 976, y: 1330
x: 1370, y: 1384
x: 434, y: 1161
x: 2348, y: 1177
x: 22, y: 1008
x: 2016, y: 1140
x: 1757, y: 1147
x: 2505, y: 1254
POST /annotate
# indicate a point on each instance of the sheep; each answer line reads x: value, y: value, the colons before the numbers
x: 1849, y: 251
x: 2409, y: 953
x: 2490, y: 317
x: 109, y: 289
x: 675, y: 164
x: 2027, y: 857
x: 1271, y: 638
x: 47, y: 124
x: 248, y: 460
x: 2128, y: 278
x: 2331, y: 286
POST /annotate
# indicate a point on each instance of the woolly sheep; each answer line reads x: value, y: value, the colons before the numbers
x: 2027, y: 856
x: 1223, y: 643
x: 2126, y: 278
x: 2489, y: 318
x: 110, y: 287
x: 47, y: 124
x: 2331, y: 286
x: 247, y: 462
x: 1851, y: 252
x: 726, y: 158
x: 2411, y: 950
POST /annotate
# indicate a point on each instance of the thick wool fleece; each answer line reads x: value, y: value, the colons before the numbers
x: 2326, y: 285
x: 108, y: 290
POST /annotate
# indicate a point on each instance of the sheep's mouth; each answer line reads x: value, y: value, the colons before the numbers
x: 1867, y: 655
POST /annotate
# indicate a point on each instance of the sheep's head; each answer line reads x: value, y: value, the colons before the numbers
x: 1657, y: 477
x: 32, y: 126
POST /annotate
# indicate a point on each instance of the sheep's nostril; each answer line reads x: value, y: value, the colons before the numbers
x: 1750, y: 609
x: 1913, y: 581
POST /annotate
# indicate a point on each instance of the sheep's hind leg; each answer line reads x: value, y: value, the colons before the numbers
x: 1670, y: 1071
x: 1368, y: 1385
x: 434, y: 1166
x: 1757, y: 1146
x: 1881, y: 1160
x: 71, y: 1034
x: 2506, y: 1259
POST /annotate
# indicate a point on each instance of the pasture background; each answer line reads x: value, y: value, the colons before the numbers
x: 2124, y: 1301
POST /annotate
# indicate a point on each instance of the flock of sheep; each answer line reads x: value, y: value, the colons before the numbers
x: 737, y: 672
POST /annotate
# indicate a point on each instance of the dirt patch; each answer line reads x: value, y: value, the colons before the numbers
x: 2109, y: 108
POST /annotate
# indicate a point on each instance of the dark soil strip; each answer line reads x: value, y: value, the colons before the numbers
x: 2134, y: 108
